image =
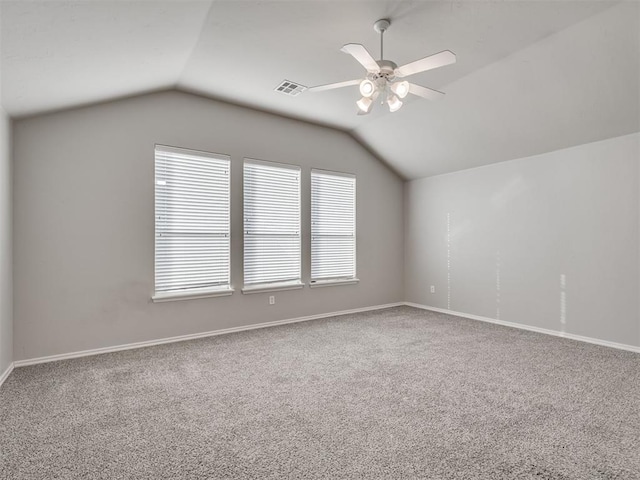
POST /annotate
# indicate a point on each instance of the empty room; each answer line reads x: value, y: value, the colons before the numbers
x: 319, y: 239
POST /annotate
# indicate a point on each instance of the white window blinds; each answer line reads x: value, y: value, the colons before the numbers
x: 333, y: 226
x: 192, y: 220
x: 272, y: 251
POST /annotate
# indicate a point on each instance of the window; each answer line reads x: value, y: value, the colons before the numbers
x: 192, y: 224
x: 333, y: 228
x: 272, y: 247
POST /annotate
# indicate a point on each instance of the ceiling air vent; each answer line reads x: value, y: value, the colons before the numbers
x: 289, y: 88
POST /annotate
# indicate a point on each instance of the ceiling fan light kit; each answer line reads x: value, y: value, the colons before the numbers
x: 367, y: 88
x: 381, y: 79
x: 365, y: 104
x: 394, y: 103
x: 401, y: 89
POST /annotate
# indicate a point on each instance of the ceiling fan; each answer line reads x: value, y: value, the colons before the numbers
x: 382, y: 75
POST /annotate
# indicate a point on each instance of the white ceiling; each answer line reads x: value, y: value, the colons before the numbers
x: 532, y: 76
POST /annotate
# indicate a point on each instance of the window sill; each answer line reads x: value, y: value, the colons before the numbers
x: 191, y: 294
x: 272, y: 287
x: 333, y: 283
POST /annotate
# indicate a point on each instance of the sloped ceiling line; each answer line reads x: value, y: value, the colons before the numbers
x: 205, y: 22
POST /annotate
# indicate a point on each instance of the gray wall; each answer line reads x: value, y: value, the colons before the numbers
x: 6, y: 230
x: 84, y: 222
x: 6, y: 281
x: 516, y: 227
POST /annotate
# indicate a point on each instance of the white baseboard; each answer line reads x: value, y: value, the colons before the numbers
x: 6, y: 373
x: 555, y: 333
x: 182, y: 338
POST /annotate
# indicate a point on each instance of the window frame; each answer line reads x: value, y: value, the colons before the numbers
x: 334, y: 281
x: 197, y: 292
x: 276, y: 285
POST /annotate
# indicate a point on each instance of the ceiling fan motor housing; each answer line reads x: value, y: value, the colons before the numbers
x: 387, y: 68
x: 385, y: 75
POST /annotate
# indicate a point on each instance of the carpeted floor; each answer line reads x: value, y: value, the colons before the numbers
x: 397, y: 393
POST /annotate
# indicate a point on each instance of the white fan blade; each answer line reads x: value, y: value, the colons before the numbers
x: 331, y: 86
x: 428, y: 63
x: 361, y: 54
x: 425, y: 92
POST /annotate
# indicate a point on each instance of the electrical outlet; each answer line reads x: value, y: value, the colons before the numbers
x: 272, y: 300
x: 433, y: 289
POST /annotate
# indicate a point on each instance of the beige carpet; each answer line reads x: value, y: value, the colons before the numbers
x: 397, y: 393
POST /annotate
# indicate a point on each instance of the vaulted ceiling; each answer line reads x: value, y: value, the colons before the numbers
x: 531, y: 76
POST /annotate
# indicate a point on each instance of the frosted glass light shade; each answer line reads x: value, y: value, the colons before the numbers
x: 394, y: 103
x: 364, y: 104
x: 367, y: 88
x: 401, y: 89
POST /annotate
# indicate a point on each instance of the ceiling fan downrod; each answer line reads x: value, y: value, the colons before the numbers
x: 381, y: 26
x: 385, y: 88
